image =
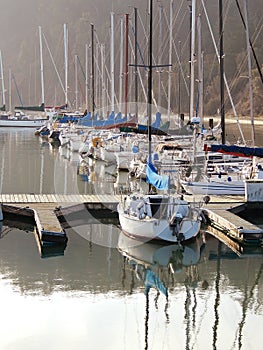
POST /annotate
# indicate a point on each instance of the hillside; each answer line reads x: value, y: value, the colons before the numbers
x: 19, y: 23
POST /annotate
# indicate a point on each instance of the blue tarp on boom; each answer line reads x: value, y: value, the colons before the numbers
x: 238, y: 150
x: 162, y: 182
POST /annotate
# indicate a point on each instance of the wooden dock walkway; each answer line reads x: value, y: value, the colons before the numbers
x: 41, y: 207
x: 44, y: 208
x: 233, y: 225
x: 58, y: 198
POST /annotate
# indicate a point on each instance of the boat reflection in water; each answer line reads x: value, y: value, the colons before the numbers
x: 153, y: 255
x: 155, y: 266
x: 154, y: 263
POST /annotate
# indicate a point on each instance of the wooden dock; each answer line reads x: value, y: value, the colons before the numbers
x: 46, y: 210
x: 42, y: 209
x: 58, y: 198
x: 226, y: 220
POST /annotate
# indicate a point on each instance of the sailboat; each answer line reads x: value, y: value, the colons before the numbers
x: 157, y: 216
x: 19, y: 118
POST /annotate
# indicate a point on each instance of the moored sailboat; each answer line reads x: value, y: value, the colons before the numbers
x: 157, y: 216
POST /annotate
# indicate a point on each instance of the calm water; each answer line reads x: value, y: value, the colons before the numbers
x: 105, y: 291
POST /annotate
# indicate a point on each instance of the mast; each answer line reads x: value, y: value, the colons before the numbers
x: 249, y: 75
x: 225, y: 80
x: 136, y: 63
x: 170, y: 57
x: 92, y: 72
x: 200, y: 70
x: 121, y: 65
x: 179, y: 83
x: 86, y: 75
x: 190, y: 53
x: 76, y: 82
x: 221, y: 63
x: 160, y: 53
x: 41, y: 65
x: 10, y: 87
x: 2, y: 80
x: 126, y: 61
x: 149, y: 102
x: 112, y: 60
x: 192, y: 75
x: 102, y: 80
x: 66, y: 62
x: 97, y: 82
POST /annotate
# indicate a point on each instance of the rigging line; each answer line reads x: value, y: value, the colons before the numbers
x: 81, y: 68
x: 139, y: 74
x: 257, y: 31
x: 139, y: 49
x: 225, y: 80
x: 146, y: 38
x: 107, y: 73
x: 79, y: 83
x: 52, y: 60
x: 243, y: 62
x: 250, y: 43
x: 179, y: 63
x: 17, y: 90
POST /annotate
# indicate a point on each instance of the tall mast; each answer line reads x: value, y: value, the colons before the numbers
x: 192, y: 74
x: 121, y: 65
x: 86, y: 75
x: 76, y: 82
x: 126, y: 61
x: 112, y: 61
x: 160, y: 48
x: 179, y: 83
x: 170, y: 57
x: 149, y: 102
x: 66, y: 62
x: 200, y: 69
x: 249, y: 76
x: 190, y: 53
x: 10, y: 89
x: 41, y: 65
x: 136, y: 62
x: 221, y: 63
x: 92, y: 72
x: 102, y: 79
x: 2, y: 80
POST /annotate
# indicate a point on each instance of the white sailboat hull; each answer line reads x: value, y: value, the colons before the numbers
x: 36, y: 123
x: 215, y: 188
x: 159, y: 227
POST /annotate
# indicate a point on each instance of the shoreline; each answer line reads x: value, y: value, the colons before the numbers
x: 233, y: 120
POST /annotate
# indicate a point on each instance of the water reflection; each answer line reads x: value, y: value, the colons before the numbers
x: 202, y: 295
x: 205, y: 295
x: 155, y: 265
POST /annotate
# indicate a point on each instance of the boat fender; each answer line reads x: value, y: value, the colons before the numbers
x: 206, y: 199
x: 229, y: 179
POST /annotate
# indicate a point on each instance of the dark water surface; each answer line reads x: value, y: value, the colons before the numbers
x: 105, y: 291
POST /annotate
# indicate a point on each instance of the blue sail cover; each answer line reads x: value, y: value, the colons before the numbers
x: 161, y: 182
x: 238, y: 150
